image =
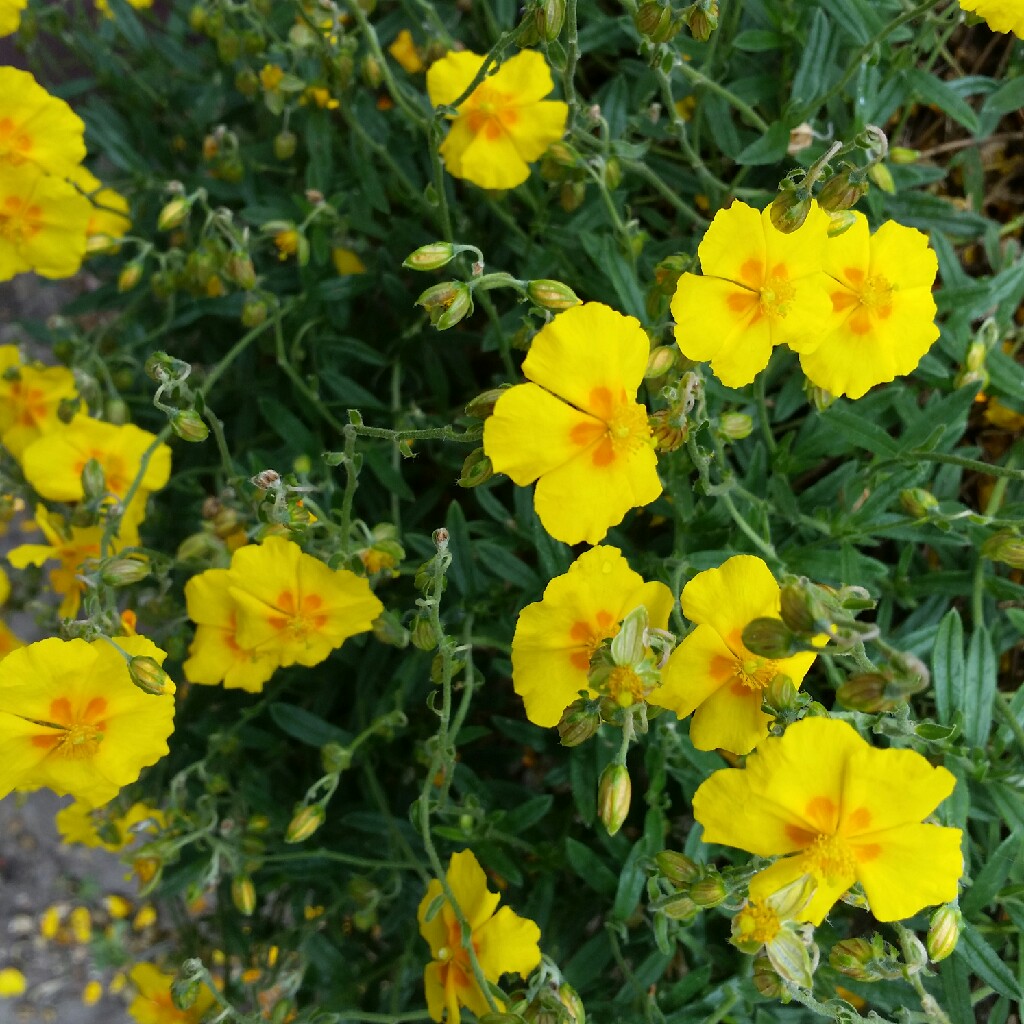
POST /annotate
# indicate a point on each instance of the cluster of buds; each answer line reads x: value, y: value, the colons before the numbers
x: 564, y: 166
x: 381, y: 551
x: 280, y: 501
x: 682, y: 888
x: 1005, y: 546
x: 866, y: 960
x: 975, y: 371
x: 671, y: 427
x: 891, y: 686
x: 658, y: 22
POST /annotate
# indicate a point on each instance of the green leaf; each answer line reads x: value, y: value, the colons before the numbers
x: 989, y: 880
x: 288, y: 427
x: 817, y: 63
x: 631, y: 882
x: 768, y: 149
x: 304, y: 726
x: 948, y: 666
x: 855, y: 427
x: 1007, y: 99
x: 979, y: 687
x: 986, y: 963
x: 757, y: 40
x: 854, y: 17
x: 462, y: 571
x: 934, y: 90
x: 590, y: 868
x: 956, y: 986
x: 518, y: 821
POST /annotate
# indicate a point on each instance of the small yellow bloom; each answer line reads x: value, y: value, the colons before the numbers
x: 29, y: 399
x: 883, y: 312
x: 347, y: 261
x: 43, y: 223
x: 104, y: 7
x: 12, y: 983
x: 577, y: 429
x: 711, y: 674
x: 53, y: 463
x: 36, y: 128
x: 321, y: 97
x: 504, y: 125
x: 72, y: 720
x: 759, y: 288
x: 271, y: 77
x: 80, y: 921
x: 556, y: 636
x: 10, y: 15
x: 76, y: 824
x: 1001, y: 15
x: 92, y: 993
x: 145, y: 918
x: 118, y: 908
x: 839, y: 810
x: 1003, y: 417
x: 505, y: 943
x: 406, y: 53
x: 287, y: 243
x: 49, y: 923
x: 152, y: 1004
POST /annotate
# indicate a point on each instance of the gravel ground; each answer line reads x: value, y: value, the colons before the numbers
x: 36, y: 869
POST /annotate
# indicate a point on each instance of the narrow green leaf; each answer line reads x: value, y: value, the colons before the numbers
x: 1006, y: 99
x: 934, y: 90
x: 956, y: 986
x: 462, y: 572
x: 757, y: 40
x: 817, y: 62
x: 304, y: 726
x: 768, y: 149
x: 862, y: 432
x: 527, y: 814
x: 631, y: 882
x: 586, y: 863
x: 986, y: 963
x: 991, y: 877
x: 979, y: 687
x: 948, y: 666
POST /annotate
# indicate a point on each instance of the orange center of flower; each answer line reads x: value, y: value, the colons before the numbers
x: 752, y: 673
x: 868, y: 297
x: 776, y: 293
x: 625, y: 687
x: 453, y: 958
x: 621, y: 427
x: 32, y: 403
x: 757, y: 923
x: 19, y: 220
x: 590, y: 636
x: 14, y: 144
x: 830, y: 859
x: 80, y: 734
x: 489, y: 111
x: 301, y: 617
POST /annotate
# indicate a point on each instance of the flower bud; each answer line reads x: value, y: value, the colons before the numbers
x: 853, y: 957
x: 243, y: 895
x: 94, y: 482
x: 578, y: 723
x: 798, y: 608
x: 305, y: 822
x: 882, y: 177
x: 446, y: 303
x: 422, y: 636
x: 1006, y: 547
x: 247, y: 82
x: 189, y: 425
x: 238, y: 269
x: 662, y: 360
x: 842, y: 191
x: 149, y: 677
x: 335, y: 758
x: 173, y: 214
x: 866, y: 692
x: 917, y: 502
x: 571, y: 195
x: 285, y: 143
x: 552, y: 294
x: 669, y: 434
x: 768, y: 638
x: 430, y: 257
x: 483, y: 405
x: 766, y: 979
x: 388, y: 629
x: 702, y: 18
x: 708, y: 892
x: 735, y: 425
x: 254, y: 310
x: 131, y: 274
x: 476, y: 470
x: 781, y: 693
x: 614, y: 792
x: 943, y: 932
x: 790, y: 209
x: 791, y: 959
x: 185, y: 991
x: 677, y: 867
x: 124, y: 571
x: 569, y: 998
x: 682, y: 908
x: 656, y: 21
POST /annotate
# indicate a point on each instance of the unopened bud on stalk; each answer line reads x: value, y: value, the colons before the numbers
x: 614, y: 793
x: 569, y: 998
x: 173, y: 214
x: 446, y: 303
x: 243, y: 895
x: 483, y: 405
x: 781, y: 693
x: 917, y: 502
x: 549, y: 16
x: 735, y: 425
x: 766, y: 979
x: 578, y: 723
x: 677, y: 867
x: 238, y: 268
x: 149, y: 677
x: 662, y: 360
x: 702, y: 17
x: 768, y: 638
x: 853, y: 957
x: 124, y: 571
x: 422, y: 635
x: 476, y: 470
x: 285, y: 144
x: 94, y: 481
x: 552, y: 294
x: 842, y: 191
x: 432, y: 256
x: 305, y: 822
x: 189, y: 425
x: 708, y: 892
x: 656, y: 21
x: 790, y: 209
x: 682, y: 908
x: 882, y: 177
x: 131, y: 274
x: 944, y: 932
x: 866, y: 692
x: 335, y: 758
x: 798, y: 607
x: 1005, y: 547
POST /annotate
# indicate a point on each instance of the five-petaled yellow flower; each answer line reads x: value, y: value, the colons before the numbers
x: 577, y: 429
x: 504, y: 124
x: 37, y: 129
x: 30, y: 396
x: 759, y: 288
x: 837, y: 809
x: 883, y: 313
x: 504, y: 942
x: 153, y: 1003
x: 711, y: 673
x: 72, y: 720
x: 1002, y: 15
x: 555, y: 637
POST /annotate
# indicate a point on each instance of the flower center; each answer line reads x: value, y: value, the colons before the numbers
x: 13, y: 144
x: 590, y: 635
x: 629, y: 429
x: 300, y: 617
x: 80, y: 734
x: 32, y: 402
x: 489, y: 111
x: 754, y: 673
x: 876, y: 295
x: 776, y: 294
x: 757, y: 923
x: 830, y: 859
x: 625, y: 687
x: 19, y: 221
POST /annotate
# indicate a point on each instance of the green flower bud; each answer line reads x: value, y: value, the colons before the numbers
x: 189, y: 425
x: 285, y: 144
x: 305, y: 822
x: 791, y: 959
x: 430, y: 257
x: 781, y: 693
x: 867, y: 692
x: 578, y: 723
x: 766, y: 979
x: 476, y: 470
x: 243, y: 895
x: 335, y: 758
x: 702, y: 18
x: 853, y: 958
x: 917, y: 502
x: 131, y: 274
x: 903, y: 155
x: 656, y: 22
x: 662, y: 360
x: 677, y: 867
x: 569, y: 998
x: 944, y: 932
x: 681, y: 908
x: 790, y: 209
x: 422, y: 635
x: 842, y: 191
x: 483, y: 405
x: 708, y: 892
x: 549, y: 16
x: 552, y: 294
x: 173, y: 214
x: 149, y: 677
x: 768, y: 638
x: 614, y: 793
x: 882, y: 177
x: 1004, y: 546
x: 124, y: 571
x: 735, y: 425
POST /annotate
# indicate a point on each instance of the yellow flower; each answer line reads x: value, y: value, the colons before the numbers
x: 883, y: 312
x: 347, y: 261
x: 505, y: 123
x: 275, y: 606
x: 271, y: 77
x: 320, y: 96
x: 76, y: 824
x: 29, y: 398
x: 711, y: 673
x: 8, y: 641
x: 71, y: 718
x: 153, y: 1003
x: 556, y: 636
x: 42, y: 223
x: 287, y: 243
x: 215, y: 655
x: 53, y: 464
x: 104, y: 7
x: 835, y: 808
x: 504, y: 942
x: 36, y: 128
x: 759, y: 288
x: 578, y: 429
x: 109, y: 219
x: 12, y: 983
x: 10, y: 15
x: 1002, y: 15
x: 92, y: 993
x: 406, y: 53
x: 71, y: 546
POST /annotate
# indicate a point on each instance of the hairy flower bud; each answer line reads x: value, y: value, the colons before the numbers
x: 131, y: 274
x: 483, y: 405
x: 917, y: 502
x: 552, y: 294
x: 124, y: 571
x: 735, y: 425
x: 173, y: 214
x: 243, y: 894
x: 768, y: 638
x: 304, y: 823
x: 569, y: 998
x: 189, y: 425
x: 852, y: 957
x: 789, y: 209
x: 656, y: 21
x: 842, y: 191
x: 943, y: 932
x: 1006, y: 547
x: 866, y: 692
x: 476, y: 470
x: 662, y: 360
x: 432, y: 256
x: 766, y: 979
x: 708, y: 892
x: 702, y: 18
x: 149, y: 677
x: 578, y: 723
x: 677, y: 867
x: 614, y: 793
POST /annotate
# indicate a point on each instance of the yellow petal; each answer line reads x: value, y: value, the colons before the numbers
x: 469, y: 887
x: 695, y: 670
x: 490, y: 161
x: 434, y: 991
x: 434, y: 930
x: 799, y: 252
x: 909, y: 868
x: 448, y: 77
x: 903, y: 255
x: 711, y: 315
x: 733, y: 246
x: 507, y: 943
x: 591, y: 356
x: 847, y: 257
x: 539, y: 125
x: 18, y: 754
x: 526, y: 77
x: 784, y: 872
x: 730, y: 718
